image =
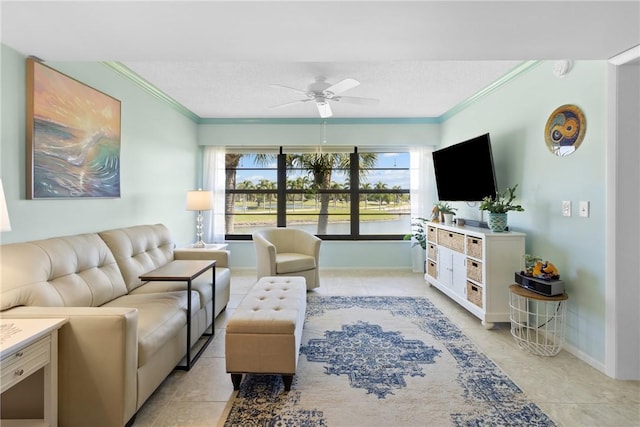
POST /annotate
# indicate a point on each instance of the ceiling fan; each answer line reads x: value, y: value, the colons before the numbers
x: 321, y: 92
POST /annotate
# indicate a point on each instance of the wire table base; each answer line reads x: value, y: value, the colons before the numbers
x: 537, y: 321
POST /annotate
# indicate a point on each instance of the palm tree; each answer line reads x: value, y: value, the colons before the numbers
x: 321, y: 166
x: 232, y: 160
x: 366, y: 186
x: 380, y: 186
x: 396, y: 196
x: 300, y: 183
x: 266, y: 184
x: 245, y: 185
x: 336, y: 186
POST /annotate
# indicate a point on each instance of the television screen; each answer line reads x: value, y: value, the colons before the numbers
x: 464, y: 171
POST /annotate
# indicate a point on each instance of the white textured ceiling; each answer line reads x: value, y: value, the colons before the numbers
x: 420, y: 58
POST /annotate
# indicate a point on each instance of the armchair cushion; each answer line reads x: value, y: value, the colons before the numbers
x: 291, y: 263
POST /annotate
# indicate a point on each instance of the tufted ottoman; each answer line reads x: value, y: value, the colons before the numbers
x: 264, y: 332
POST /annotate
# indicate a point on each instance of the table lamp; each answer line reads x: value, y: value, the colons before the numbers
x: 5, y: 225
x: 199, y: 200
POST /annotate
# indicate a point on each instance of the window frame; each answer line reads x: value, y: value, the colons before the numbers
x: 354, y: 192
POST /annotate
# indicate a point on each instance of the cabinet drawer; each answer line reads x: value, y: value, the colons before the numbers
x: 22, y: 363
x: 474, y: 270
x: 474, y: 247
x: 432, y: 251
x: 451, y: 240
x: 474, y: 294
x: 432, y: 235
x: 432, y: 269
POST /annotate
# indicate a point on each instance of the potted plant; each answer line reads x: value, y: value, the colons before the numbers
x: 446, y: 211
x: 419, y: 234
x: 499, y: 206
x: 418, y: 238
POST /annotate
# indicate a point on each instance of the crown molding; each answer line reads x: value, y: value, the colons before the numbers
x: 516, y: 72
x: 148, y: 87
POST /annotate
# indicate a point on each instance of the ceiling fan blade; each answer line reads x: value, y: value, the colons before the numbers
x: 357, y: 100
x: 288, y: 87
x: 286, y: 104
x: 324, y: 109
x: 342, y: 86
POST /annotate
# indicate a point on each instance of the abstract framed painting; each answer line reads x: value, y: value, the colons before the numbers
x: 73, y: 137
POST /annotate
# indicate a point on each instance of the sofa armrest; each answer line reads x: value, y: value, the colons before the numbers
x: 221, y: 257
x: 97, y: 363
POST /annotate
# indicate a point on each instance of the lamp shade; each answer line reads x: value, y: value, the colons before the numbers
x: 5, y: 225
x: 199, y: 200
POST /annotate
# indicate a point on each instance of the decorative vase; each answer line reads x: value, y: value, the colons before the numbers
x: 497, y: 221
x: 448, y: 219
x: 418, y: 257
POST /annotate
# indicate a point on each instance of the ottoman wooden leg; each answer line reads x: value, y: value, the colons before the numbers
x: 287, y: 379
x: 236, y: 379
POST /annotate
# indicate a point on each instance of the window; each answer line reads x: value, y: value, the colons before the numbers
x: 335, y: 195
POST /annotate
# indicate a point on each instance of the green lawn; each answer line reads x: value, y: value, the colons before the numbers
x: 309, y: 213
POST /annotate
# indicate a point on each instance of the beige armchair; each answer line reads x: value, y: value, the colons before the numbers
x: 288, y: 252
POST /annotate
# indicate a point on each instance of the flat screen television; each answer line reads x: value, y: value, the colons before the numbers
x: 464, y: 171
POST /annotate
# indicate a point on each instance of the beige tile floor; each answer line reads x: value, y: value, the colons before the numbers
x: 571, y: 392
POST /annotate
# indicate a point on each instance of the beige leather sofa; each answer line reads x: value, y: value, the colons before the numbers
x: 288, y: 252
x: 124, y: 336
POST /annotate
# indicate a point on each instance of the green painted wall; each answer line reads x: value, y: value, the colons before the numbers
x: 160, y: 160
x: 516, y: 115
x: 342, y: 134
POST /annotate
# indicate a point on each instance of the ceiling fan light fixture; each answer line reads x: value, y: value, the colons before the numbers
x: 324, y: 109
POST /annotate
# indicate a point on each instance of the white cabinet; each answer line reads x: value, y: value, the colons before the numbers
x: 26, y: 345
x: 474, y: 266
x: 451, y: 270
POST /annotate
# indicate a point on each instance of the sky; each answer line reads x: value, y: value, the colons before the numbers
x: 396, y: 171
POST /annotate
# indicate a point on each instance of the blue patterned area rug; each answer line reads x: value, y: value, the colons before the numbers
x: 384, y: 361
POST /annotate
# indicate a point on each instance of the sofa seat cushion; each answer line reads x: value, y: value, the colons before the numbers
x: 201, y: 284
x: 161, y: 316
x: 292, y: 262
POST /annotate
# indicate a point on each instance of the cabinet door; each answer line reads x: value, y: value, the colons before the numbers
x: 459, y: 273
x: 445, y: 266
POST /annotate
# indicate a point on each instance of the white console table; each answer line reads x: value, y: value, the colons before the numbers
x: 27, y: 345
x: 474, y: 267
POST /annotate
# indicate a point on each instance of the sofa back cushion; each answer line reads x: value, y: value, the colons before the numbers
x: 139, y: 249
x: 71, y: 271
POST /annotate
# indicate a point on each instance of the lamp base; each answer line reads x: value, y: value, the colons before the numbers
x: 199, y: 242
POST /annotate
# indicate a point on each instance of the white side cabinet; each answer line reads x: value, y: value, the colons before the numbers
x: 27, y: 345
x: 474, y: 266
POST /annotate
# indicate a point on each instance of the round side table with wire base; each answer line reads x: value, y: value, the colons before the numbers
x: 537, y: 321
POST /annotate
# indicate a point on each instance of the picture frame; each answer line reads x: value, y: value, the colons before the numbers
x: 73, y: 137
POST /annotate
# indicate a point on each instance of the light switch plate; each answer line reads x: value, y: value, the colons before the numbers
x: 584, y: 209
x: 566, y: 208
